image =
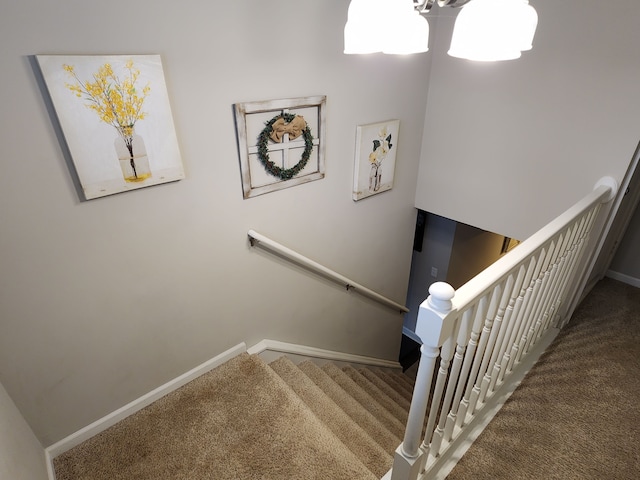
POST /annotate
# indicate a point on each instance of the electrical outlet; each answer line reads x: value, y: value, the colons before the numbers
x: 434, y: 272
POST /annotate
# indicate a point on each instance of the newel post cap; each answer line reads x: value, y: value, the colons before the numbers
x: 440, y: 295
x: 435, y: 322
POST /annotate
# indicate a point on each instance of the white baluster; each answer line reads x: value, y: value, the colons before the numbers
x: 484, y: 348
x: 433, y: 447
x: 513, y: 332
x: 554, y: 272
x: 511, y: 292
x: 470, y: 358
x: 435, y: 325
x: 556, y: 275
x: 577, y: 266
x: 496, y: 338
x: 564, y: 270
x: 459, y: 372
x: 521, y: 320
x: 528, y: 314
x: 571, y: 261
x: 542, y: 284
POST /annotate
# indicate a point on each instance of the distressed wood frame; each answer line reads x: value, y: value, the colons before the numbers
x: 246, y: 116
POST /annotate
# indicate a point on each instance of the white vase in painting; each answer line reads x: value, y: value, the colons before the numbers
x: 132, y: 155
x: 375, y: 177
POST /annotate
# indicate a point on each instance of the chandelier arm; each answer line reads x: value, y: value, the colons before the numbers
x: 423, y: 6
x: 452, y: 3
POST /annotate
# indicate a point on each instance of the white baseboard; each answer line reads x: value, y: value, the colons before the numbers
x: 49, y: 462
x: 266, y: 349
x: 270, y: 350
x: 109, y: 420
x: 634, y: 282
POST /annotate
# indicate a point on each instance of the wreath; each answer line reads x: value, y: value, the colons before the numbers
x: 263, y: 151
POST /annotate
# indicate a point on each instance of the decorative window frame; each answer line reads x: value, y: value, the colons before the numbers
x: 250, y: 118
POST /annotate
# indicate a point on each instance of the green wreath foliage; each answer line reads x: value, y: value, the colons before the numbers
x: 263, y: 151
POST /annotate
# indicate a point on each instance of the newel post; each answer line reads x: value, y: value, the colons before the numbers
x: 434, y: 326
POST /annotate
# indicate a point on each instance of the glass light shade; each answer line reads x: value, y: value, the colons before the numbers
x: 493, y: 30
x: 406, y: 31
x: 528, y: 25
x: 391, y: 26
x: 361, y: 32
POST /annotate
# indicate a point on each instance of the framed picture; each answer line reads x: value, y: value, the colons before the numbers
x: 280, y: 143
x: 116, y: 119
x: 375, y: 160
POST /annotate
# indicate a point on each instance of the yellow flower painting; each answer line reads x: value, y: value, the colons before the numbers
x: 116, y: 118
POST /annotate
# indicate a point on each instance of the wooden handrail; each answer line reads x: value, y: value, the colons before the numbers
x: 257, y: 239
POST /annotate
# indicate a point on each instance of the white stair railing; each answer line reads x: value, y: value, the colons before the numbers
x: 480, y: 340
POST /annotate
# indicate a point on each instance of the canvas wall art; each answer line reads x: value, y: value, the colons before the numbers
x: 280, y: 143
x: 116, y: 119
x: 375, y: 161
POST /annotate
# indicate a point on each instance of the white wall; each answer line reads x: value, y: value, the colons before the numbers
x: 21, y: 455
x: 626, y: 262
x: 102, y: 301
x: 508, y: 146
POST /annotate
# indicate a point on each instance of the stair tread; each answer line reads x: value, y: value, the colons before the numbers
x: 354, y: 437
x: 202, y: 430
x: 366, y: 400
x: 387, y: 440
x: 380, y: 395
x: 386, y: 388
x: 404, y: 379
x: 392, y: 382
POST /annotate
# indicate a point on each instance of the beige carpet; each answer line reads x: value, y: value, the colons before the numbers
x: 576, y: 415
x: 243, y: 420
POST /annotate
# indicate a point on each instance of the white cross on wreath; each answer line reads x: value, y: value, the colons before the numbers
x: 266, y: 144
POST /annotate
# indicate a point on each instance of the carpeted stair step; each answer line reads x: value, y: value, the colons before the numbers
x: 367, y: 401
x: 403, y: 390
x: 343, y: 426
x: 380, y: 396
x: 363, y: 417
x: 386, y: 388
x: 404, y: 380
x: 239, y: 421
x: 247, y: 420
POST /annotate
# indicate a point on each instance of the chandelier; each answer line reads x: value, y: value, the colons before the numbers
x: 484, y: 30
